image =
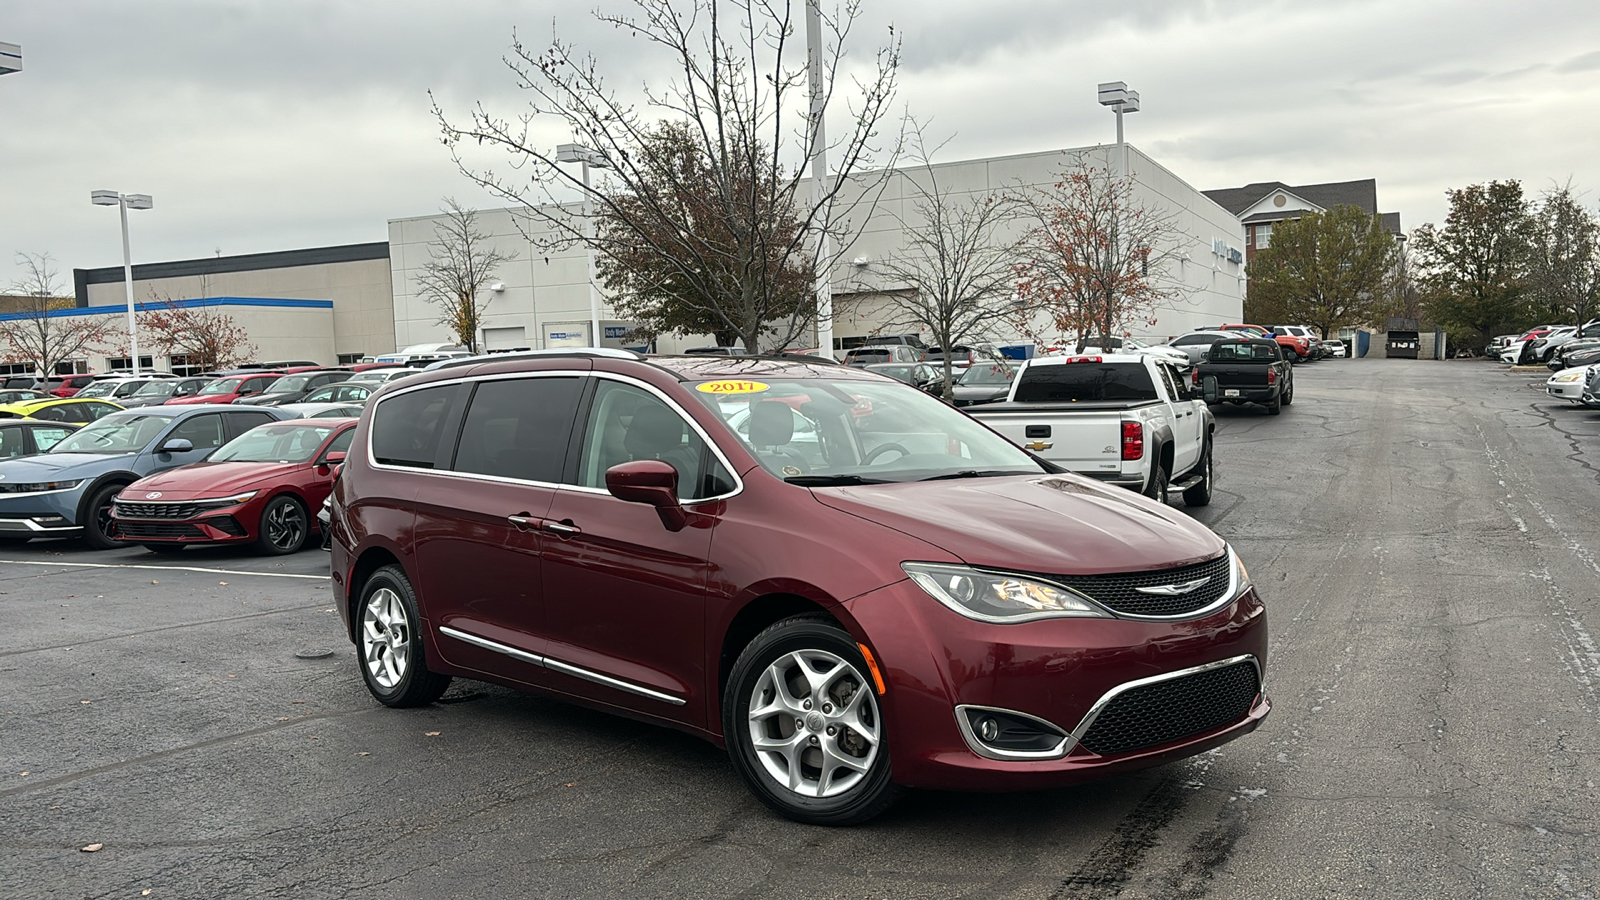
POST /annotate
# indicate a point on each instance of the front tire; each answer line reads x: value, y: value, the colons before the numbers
x: 804, y: 727
x: 1200, y: 494
x: 393, y: 663
x: 283, y: 528
x: 98, y: 527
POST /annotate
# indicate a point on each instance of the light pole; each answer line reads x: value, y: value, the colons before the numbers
x: 591, y: 159
x: 126, y: 202
x: 819, y: 178
x: 1116, y: 95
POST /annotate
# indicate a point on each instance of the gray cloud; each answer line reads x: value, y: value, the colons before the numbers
x: 271, y: 124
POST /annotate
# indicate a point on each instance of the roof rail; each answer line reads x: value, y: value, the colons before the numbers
x: 580, y: 352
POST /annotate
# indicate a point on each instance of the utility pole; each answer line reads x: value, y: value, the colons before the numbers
x: 819, y: 179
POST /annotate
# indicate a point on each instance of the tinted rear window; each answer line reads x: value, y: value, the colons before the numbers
x: 1255, y: 353
x: 406, y: 429
x: 1085, y: 383
x: 519, y: 428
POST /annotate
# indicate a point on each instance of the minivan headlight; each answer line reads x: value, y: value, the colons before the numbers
x: 1000, y: 597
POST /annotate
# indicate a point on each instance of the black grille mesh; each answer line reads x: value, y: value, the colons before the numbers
x: 1118, y: 592
x: 1174, y: 709
x: 156, y: 510
x: 137, y: 530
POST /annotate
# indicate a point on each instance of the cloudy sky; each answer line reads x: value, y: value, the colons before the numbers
x: 262, y: 125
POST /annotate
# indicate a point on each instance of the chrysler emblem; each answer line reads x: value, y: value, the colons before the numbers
x: 153, y: 495
x: 1174, y: 590
x: 1036, y: 446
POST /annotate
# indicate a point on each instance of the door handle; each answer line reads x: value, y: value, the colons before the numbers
x: 563, y: 528
x: 523, y: 521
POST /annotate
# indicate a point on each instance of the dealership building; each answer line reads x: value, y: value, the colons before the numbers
x: 540, y: 299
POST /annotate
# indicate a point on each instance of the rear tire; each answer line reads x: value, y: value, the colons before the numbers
x: 389, y: 634
x: 1157, y: 488
x: 803, y: 690
x: 1276, y: 406
x: 1200, y: 494
x: 1288, y: 393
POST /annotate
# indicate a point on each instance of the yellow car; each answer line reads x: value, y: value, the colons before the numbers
x: 68, y: 410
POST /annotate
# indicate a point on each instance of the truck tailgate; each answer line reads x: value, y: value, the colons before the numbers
x: 1082, y: 440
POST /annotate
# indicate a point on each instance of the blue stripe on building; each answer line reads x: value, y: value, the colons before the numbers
x: 121, y: 309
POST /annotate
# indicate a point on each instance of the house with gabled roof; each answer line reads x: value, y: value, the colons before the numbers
x: 1261, y: 205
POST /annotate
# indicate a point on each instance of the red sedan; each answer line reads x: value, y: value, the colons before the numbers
x: 263, y: 487
x: 229, y: 388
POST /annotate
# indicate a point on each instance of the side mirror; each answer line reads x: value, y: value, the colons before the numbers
x: 333, y: 458
x: 1208, y: 389
x: 652, y: 482
x: 177, y: 445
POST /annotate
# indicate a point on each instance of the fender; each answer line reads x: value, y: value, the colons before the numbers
x: 122, y: 477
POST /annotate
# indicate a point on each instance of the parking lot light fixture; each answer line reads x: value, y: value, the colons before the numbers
x: 590, y: 158
x: 1116, y: 95
x: 125, y: 202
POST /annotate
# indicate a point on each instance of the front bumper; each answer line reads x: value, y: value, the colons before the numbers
x: 40, y: 514
x: 171, y: 524
x: 1567, y: 390
x: 1061, y: 671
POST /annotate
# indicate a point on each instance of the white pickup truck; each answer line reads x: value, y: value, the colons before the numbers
x: 1125, y: 419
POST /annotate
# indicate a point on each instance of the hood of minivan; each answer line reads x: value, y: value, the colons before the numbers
x: 214, y: 479
x: 1053, y: 524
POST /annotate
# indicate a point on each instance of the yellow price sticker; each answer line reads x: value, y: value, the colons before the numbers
x: 732, y: 387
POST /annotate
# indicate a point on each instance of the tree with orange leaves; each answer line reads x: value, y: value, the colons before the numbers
x: 1094, y: 259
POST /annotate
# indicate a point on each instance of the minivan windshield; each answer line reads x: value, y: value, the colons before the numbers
x: 822, y: 431
x: 116, y: 433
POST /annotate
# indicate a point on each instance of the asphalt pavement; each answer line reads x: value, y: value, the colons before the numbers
x: 1423, y: 533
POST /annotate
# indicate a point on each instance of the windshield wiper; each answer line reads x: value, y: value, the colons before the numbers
x: 970, y: 473
x: 832, y: 480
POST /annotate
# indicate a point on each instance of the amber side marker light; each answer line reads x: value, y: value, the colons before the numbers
x: 877, y: 677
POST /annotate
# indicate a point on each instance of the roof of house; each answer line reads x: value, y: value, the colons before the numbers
x: 1361, y: 194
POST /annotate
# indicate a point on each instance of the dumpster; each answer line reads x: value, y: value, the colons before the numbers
x: 1402, y: 344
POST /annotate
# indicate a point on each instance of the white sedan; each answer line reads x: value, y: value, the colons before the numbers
x: 1567, y: 384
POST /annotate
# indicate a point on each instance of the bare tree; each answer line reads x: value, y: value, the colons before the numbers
x: 739, y: 88
x: 197, y: 331
x: 38, y: 333
x: 956, y: 266
x: 462, y: 264
x: 1095, y: 259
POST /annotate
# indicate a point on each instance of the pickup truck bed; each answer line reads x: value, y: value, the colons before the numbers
x: 1247, y: 371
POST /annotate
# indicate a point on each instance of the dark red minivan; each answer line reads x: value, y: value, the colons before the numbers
x: 850, y: 585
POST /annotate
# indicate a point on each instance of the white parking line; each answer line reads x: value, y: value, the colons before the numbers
x: 29, y: 562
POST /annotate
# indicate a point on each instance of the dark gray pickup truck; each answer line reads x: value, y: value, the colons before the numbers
x: 1245, y: 370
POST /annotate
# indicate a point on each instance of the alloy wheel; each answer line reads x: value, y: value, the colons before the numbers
x: 385, y: 638
x: 286, y: 525
x: 814, y: 723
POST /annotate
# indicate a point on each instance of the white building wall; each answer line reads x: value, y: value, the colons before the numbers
x: 545, y: 289
x: 1212, y: 286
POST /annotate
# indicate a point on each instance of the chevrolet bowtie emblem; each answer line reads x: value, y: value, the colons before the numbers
x: 1036, y: 446
x: 1174, y: 590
